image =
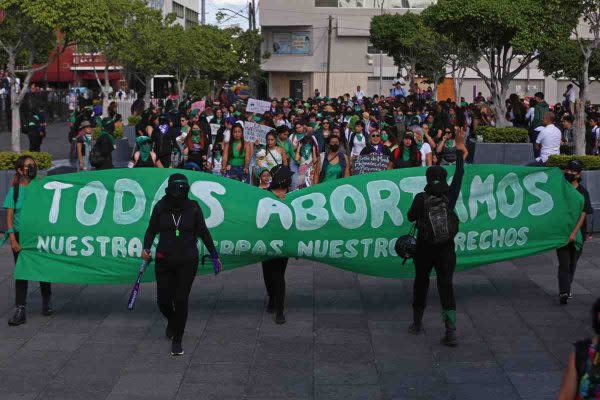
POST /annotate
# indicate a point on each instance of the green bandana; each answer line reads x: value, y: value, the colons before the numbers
x: 406, y: 154
x: 195, y: 136
x: 384, y: 137
x: 305, y: 151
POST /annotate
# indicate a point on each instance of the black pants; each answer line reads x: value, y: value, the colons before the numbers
x: 442, y: 258
x: 21, y: 286
x: 174, y: 281
x: 533, y: 134
x: 274, y: 275
x: 35, y: 142
x: 567, y: 263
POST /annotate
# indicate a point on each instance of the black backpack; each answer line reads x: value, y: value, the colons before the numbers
x: 96, y: 158
x: 439, y: 224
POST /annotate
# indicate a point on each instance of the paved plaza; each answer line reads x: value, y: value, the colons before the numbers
x: 346, y: 338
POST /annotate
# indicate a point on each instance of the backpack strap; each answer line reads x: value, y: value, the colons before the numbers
x: 581, y: 355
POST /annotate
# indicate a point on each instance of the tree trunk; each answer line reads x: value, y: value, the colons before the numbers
x: 148, y: 84
x: 499, y: 106
x: 579, y: 122
x: 16, y: 124
x: 105, y: 91
x: 412, y: 85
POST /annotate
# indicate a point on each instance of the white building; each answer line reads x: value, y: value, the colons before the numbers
x: 186, y: 11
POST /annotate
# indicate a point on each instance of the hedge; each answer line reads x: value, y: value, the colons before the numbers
x: 561, y: 161
x: 492, y: 134
x: 118, y: 132
x: 9, y: 158
x: 134, y: 120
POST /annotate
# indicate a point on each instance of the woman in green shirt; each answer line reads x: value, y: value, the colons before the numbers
x: 335, y: 164
x: 26, y: 171
x: 236, y: 155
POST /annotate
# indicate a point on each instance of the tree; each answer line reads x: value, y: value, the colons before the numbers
x: 578, y: 60
x: 114, y: 16
x: 508, y: 35
x: 202, y: 51
x: 143, y: 45
x: 405, y: 38
x: 32, y: 34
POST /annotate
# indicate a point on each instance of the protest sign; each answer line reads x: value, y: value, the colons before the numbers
x: 214, y: 129
x: 258, y: 106
x: 199, y: 105
x: 254, y: 131
x: 369, y: 163
x: 88, y: 227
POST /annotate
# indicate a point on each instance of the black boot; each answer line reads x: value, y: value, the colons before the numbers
x: 416, y: 328
x: 280, y: 317
x: 47, y: 308
x: 176, y: 347
x: 563, y: 298
x: 18, y: 317
x: 450, y: 338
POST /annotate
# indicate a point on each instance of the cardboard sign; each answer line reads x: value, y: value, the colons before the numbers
x: 199, y: 105
x: 258, y: 106
x: 214, y: 129
x: 254, y: 131
x: 370, y: 163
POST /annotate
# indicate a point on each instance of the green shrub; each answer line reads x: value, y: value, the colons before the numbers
x: 118, y: 132
x: 134, y: 120
x: 9, y: 158
x: 561, y: 161
x: 492, y: 134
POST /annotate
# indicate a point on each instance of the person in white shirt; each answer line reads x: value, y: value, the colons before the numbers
x: 569, y: 96
x: 595, y: 135
x: 359, y: 94
x: 548, y: 140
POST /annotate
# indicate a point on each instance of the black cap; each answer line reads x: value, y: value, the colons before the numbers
x: 575, y: 165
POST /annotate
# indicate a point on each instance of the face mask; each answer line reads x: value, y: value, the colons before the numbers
x: 384, y: 137
x: 334, y: 147
x: 570, y: 177
x: 32, y: 172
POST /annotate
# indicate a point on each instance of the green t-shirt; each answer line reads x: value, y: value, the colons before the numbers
x: 9, y: 203
x: 332, y: 172
x: 406, y: 154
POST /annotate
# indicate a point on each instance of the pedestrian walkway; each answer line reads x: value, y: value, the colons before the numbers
x: 55, y: 143
x: 346, y: 338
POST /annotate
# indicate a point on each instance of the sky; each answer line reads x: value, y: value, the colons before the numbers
x: 212, y: 6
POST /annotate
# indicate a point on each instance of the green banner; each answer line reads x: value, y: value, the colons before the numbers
x: 89, y: 227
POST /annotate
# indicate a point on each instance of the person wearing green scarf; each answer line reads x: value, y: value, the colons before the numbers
x: 105, y: 145
x: 145, y: 157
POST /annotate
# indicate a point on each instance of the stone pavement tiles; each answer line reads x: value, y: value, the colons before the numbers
x: 346, y: 338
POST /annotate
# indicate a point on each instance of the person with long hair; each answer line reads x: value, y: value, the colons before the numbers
x: 236, y: 158
x: 26, y: 171
x: 407, y: 154
x: 195, y: 149
x: 581, y: 380
x: 336, y: 164
x: 145, y: 157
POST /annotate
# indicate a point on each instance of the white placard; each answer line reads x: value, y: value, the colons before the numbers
x: 214, y: 129
x: 258, y: 106
x: 253, y: 131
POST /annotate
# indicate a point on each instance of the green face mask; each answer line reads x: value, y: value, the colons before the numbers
x: 195, y: 136
x: 384, y: 137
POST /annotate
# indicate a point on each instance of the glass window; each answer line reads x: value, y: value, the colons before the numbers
x: 191, y: 16
x: 179, y: 10
x: 326, y: 3
x: 372, y: 49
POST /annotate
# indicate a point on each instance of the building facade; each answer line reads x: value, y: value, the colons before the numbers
x: 186, y: 11
x: 296, y: 36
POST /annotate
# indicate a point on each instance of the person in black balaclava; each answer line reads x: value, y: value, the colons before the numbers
x: 274, y: 269
x: 437, y: 224
x: 180, y: 222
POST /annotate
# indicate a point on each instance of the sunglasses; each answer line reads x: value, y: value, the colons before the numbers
x: 375, y: 135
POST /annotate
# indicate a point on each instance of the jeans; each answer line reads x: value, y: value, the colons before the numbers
x: 274, y: 276
x: 237, y: 173
x: 442, y: 258
x: 174, y: 280
x: 567, y: 263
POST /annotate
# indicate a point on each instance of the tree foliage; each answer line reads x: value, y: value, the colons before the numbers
x: 565, y: 61
x: 507, y: 35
